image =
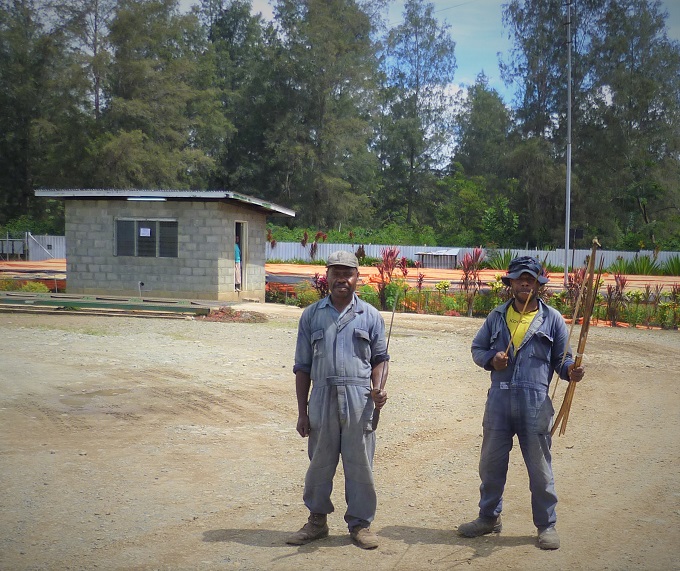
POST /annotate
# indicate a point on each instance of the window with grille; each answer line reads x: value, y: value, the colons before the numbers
x: 146, y: 238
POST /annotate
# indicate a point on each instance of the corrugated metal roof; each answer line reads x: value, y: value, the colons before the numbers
x: 447, y: 252
x: 162, y: 194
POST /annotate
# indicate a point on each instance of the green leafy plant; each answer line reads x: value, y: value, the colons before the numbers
x: 634, y: 299
x: 615, y: 298
x: 442, y: 286
x: 396, y: 287
x: 471, y: 283
x: 671, y: 267
x: 305, y: 294
x: 34, y: 287
x: 389, y: 263
x: 485, y: 302
x: 9, y: 285
x: 497, y: 260
x: 369, y: 295
x: 643, y: 266
x: 619, y: 266
x: 27, y: 286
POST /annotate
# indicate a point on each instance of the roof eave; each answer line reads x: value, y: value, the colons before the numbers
x: 124, y: 194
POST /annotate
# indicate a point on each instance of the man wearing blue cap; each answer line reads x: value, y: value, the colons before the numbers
x: 521, y: 342
x: 341, y: 353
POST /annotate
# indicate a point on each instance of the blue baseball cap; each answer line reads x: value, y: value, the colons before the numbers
x: 522, y: 265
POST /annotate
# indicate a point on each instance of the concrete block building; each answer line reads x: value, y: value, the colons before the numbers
x: 165, y: 243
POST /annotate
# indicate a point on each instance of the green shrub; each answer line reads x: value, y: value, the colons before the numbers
x: 485, y: 302
x: 34, y: 287
x: 393, y: 233
x: 16, y: 285
x: 553, y: 268
x: 9, y: 285
x: 369, y: 295
x: 643, y: 266
x: 619, y: 266
x: 305, y: 293
x: 671, y: 267
x: 275, y: 296
x: 500, y: 260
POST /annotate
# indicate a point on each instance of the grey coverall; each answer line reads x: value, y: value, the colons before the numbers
x: 518, y: 403
x: 339, y: 351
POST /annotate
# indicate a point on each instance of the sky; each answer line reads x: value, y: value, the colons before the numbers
x: 477, y: 29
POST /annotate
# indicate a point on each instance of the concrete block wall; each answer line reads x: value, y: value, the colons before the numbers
x: 204, y: 268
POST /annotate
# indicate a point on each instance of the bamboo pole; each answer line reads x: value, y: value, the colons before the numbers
x: 563, y: 414
x: 574, y: 319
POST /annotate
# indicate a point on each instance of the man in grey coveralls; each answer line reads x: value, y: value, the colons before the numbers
x: 341, y: 347
x: 521, y: 343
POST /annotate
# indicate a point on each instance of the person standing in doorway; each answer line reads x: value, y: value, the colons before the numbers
x: 521, y: 343
x: 237, y: 264
x: 341, y: 353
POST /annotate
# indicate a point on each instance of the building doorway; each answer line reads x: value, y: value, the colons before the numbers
x: 240, y: 253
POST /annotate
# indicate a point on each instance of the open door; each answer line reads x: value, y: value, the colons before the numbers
x: 240, y: 250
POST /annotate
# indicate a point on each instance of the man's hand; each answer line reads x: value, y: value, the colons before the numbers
x: 379, y: 398
x: 303, y: 425
x: 500, y: 361
x: 575, y: 373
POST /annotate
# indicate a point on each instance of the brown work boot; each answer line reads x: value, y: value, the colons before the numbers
x: 364, y: 537
x: 548, y: 538
x: 480, y: 526
x: 315, y: 528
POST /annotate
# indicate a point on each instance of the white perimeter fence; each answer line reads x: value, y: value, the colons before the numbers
x: 37, y: 248
x: 286, y: 251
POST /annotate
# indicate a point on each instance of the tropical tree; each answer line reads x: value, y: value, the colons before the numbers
x: 460, y: 202
x: 159, y: 102
x: 86, y: 26
x: 483, y: 127
x: 417, y: 120
x: 327, y: 78
x: 41, y: 108
x: 636, y: 111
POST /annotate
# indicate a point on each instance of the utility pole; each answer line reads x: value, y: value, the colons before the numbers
x: 567, y: 210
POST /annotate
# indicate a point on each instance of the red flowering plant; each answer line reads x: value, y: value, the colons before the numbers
x: 615, y: 298
x: 320, y: 284
x: 471, y: 283
x: 390, y: 261
x: 419, y: 286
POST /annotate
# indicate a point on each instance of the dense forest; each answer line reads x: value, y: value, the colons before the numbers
x: 352, y: 123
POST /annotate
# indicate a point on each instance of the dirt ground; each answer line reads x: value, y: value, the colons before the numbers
x: 143, y: 444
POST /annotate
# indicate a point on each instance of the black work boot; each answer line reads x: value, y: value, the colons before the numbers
x: 480, y: 526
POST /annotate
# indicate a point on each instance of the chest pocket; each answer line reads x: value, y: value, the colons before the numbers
x: 541, y: 346
x: 496, y: 341
x: 317, y: 343
x: 362, y: 344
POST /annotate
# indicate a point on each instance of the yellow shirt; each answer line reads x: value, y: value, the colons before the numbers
x: 518, y: 323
